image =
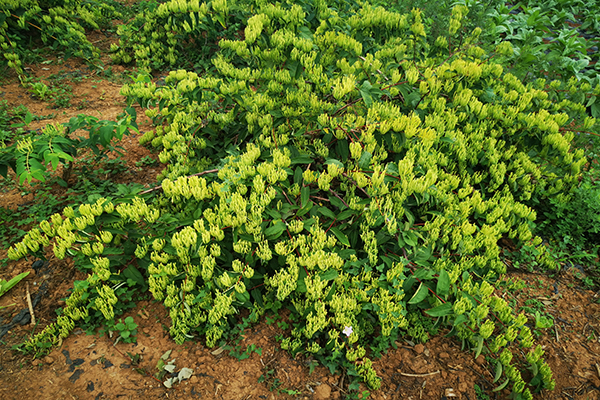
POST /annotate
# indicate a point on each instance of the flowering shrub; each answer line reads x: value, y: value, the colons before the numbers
x: 342, y: 168
x: 62, y: 22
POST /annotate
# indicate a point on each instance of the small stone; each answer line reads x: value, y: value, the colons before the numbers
x: 419, y: 348
x: 194, y: 379
x: 48, y: 360
x: 444, y: 355
x: 480, y: 360
x: 322, y: 392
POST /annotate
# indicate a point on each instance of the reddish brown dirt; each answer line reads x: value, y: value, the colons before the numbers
x: 94, y: 367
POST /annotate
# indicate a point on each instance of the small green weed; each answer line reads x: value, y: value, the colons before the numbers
x: 146, y: 161
x: 127, y: 330
x: 480, y: 393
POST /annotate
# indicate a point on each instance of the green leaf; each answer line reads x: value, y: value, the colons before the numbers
x: 460, y: 319
x: 340, y: 236
x: 326, y: 212
x: 499, y: 388
x: 345, y: 214
x: 304, y: 195
x: 409, y: 238
x: 419, y: 295
x: 131, y: 272
x: 298, y: 175
x: 498, y: 371
x: 422, y: 256
x: 257, y: 296
x: 6, y: 286
x: 365, y: 160
x: 338, y: 163
x: 337, y: 203
x: 276, y: 230
x: 443, y: 284
x: 479, y: 346
x: 365, y: 92
x: 301, y: 159
x: 305, y: 33
x: 242, y: 297
x: 440, y: 311
x: 329, y: 275
x: 106, y: 134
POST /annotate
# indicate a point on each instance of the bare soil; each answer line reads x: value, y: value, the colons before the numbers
x: 94, y: 367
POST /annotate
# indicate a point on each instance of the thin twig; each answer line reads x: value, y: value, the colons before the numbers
x: 556, y: 332
x: 30, y: 306
x: 420, y: 375
x: 338, y: 196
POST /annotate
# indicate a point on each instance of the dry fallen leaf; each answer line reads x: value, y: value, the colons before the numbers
x: 185, y: 373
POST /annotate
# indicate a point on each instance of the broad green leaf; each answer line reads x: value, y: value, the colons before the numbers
x: 460, y: 319
x: 304, y: 210
x: 242, y: 297
x: 276, y: 230
x: 305, y: 33
x: 409, y: 238
x: 365, y: 92
x: 326, y: 212
x: 329, y: 275
x: 443, y: 284
x: 342, y: 149
x: 422, y: 256
x: 304, y: 196
x: 301, y: 159
x: 419, y: 295
x: 345, y: 214
x: 106, y: 134
x: 338, y: 163
x: 298, y: 175
x: 340, y: 236
x: 336, y: 202
x: 365, y: 160
x: 132, y: 273
x: 440, y: 311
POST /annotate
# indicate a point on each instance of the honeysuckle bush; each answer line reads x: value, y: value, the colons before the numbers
x: 338, y: 166
x: 61, y: 23
x: 187, y: 32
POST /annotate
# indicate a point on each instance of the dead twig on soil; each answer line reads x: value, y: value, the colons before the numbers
x: 30, y: 306
x: 420, y: 375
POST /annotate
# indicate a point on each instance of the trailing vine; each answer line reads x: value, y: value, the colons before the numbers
x: 341, y: 168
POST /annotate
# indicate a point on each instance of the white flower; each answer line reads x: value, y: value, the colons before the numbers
x: 347, y: 331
